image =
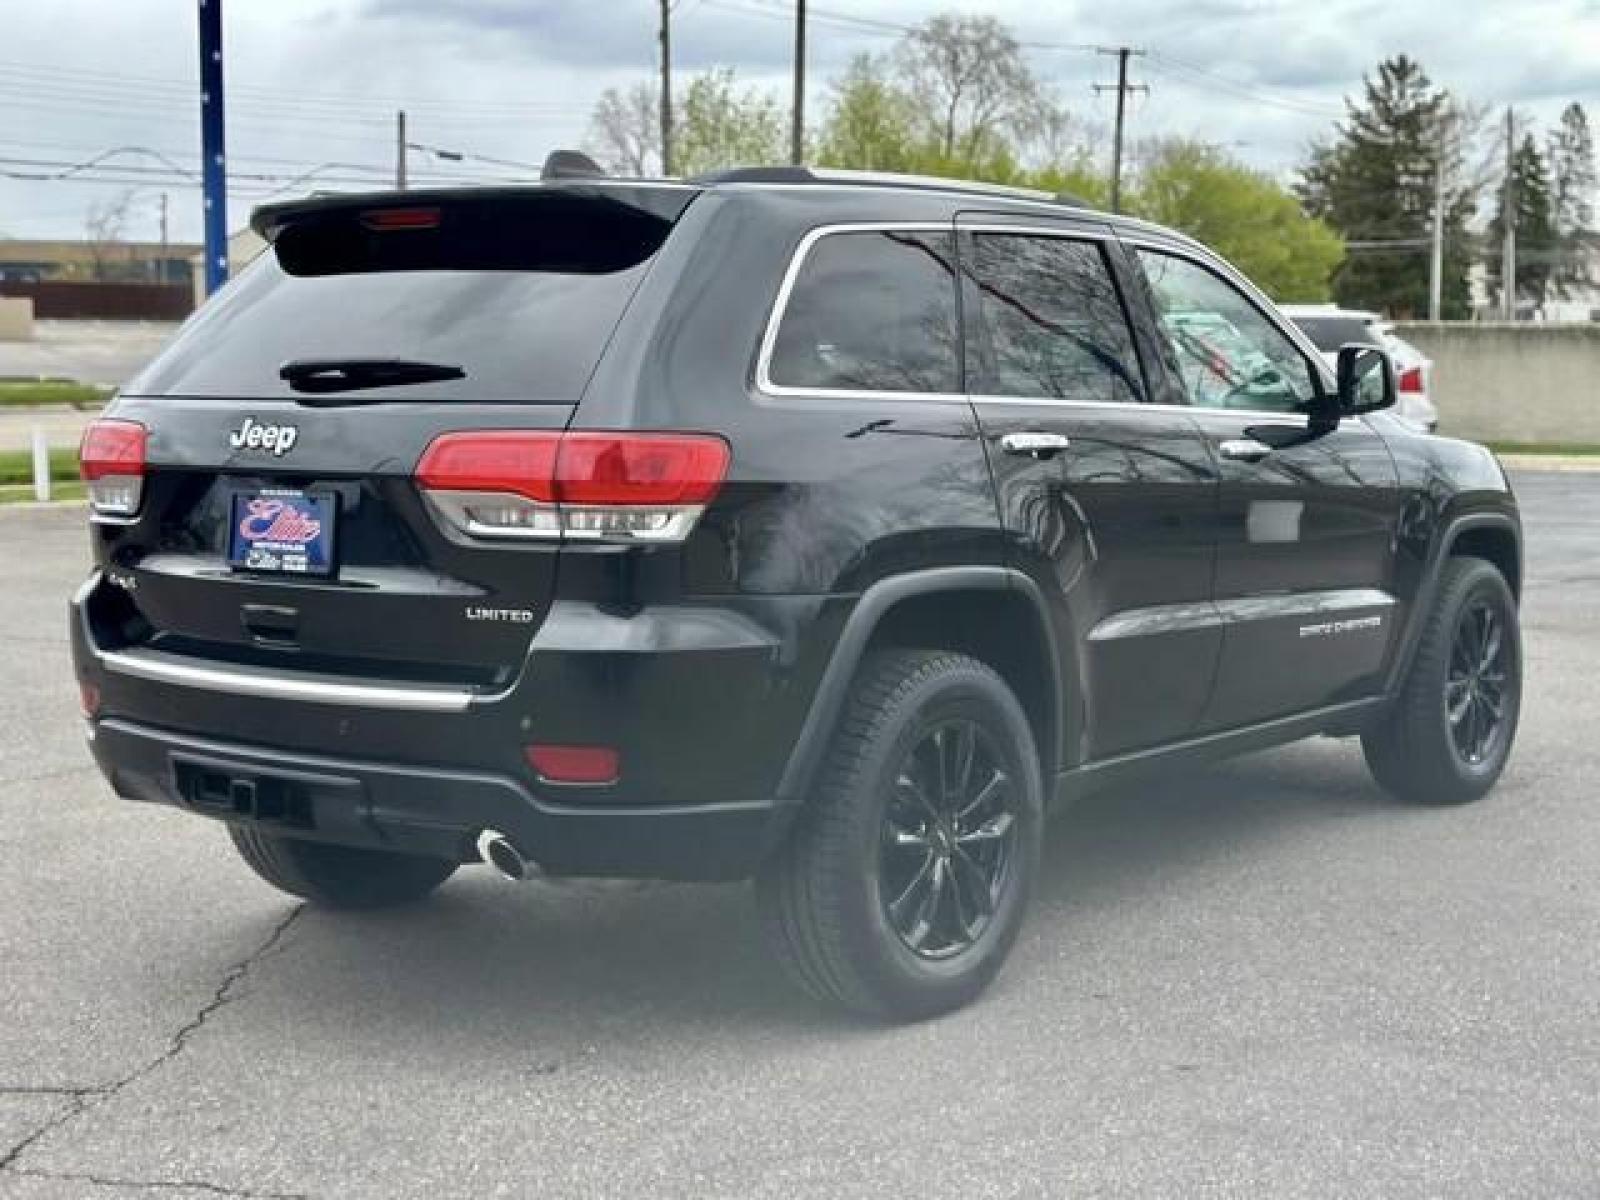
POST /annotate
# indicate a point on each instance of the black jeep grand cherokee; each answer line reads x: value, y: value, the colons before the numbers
x: 816, y: 529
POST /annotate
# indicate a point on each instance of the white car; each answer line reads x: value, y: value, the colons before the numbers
x: 1330, y: 327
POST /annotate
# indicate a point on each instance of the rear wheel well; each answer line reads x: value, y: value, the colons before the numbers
x: 1496, y: 546
x: 999, y: 628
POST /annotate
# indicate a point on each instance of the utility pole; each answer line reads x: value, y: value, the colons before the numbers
x: 1122, y: 87
x: 1508, y: 247
x: 797, y: 131
x: 400, y: 151
x: 162, y: 276
x: 1444, y: 152
x: 213, y: 152
x: 666, y: 87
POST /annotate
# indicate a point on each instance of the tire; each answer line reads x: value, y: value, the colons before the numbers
x: 338, y: 876
x: 845, y: 900
x: 1417, y: 752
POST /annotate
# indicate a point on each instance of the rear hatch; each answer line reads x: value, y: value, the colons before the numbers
x: 280, y: 524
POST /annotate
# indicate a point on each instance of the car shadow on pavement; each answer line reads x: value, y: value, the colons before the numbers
x: 562, y: 962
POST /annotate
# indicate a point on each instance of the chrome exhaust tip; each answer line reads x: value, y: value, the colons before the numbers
x: 501, y: 853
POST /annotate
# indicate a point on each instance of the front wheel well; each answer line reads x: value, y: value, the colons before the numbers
x: 1000, y: 628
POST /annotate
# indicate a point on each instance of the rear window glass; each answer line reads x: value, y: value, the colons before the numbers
x: 1329, y: 333
x: 871, y: 311
x: 522, y: 295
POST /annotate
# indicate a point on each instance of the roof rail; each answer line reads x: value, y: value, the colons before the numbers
x: 758, y: 175
x: 828, y: 175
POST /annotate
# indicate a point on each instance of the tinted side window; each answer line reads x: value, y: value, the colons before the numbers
x: 1227, y: 353
x: 1052, y: 324
x: 871, y: 311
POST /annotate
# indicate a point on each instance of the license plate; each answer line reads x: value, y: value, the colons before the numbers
x: 283, y: 531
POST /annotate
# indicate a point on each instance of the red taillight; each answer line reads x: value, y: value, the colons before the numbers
x: 590, y: 485
x: 111, y: 460
x: 575, y: 764
x: 1411, y: 380
x: 89, y: 699
x: 523, y: 464
x: 647, y: 469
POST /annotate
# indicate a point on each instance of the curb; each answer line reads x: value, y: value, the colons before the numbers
x: 1551, y: 462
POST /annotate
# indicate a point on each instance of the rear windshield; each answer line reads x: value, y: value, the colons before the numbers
x: 1329, y: 333
x: 522, y: 295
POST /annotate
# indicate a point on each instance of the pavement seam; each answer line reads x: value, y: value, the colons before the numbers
x: 83, y: 1099
x: 192, y: 1185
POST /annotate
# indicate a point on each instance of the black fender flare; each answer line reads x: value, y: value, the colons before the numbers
x: 1428, y: 590
x: 827, y: 702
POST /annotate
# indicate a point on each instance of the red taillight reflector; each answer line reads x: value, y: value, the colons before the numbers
x: 575, y: 764
x: 89, y: 698
x: 400, y: 218
x: 1411, y: 381
x: 111, y: 447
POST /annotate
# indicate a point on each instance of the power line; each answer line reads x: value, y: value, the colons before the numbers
x: 1182, y: 72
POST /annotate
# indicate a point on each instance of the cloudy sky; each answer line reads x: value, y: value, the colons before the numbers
x: 315, y: 82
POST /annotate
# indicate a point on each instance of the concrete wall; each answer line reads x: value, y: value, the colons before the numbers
x: 1513, y: 383
x: 16, y: 319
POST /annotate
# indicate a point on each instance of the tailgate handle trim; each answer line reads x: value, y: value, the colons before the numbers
x: 283, y: 685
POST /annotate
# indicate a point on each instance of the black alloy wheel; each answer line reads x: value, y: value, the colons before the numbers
x: 948, y: 838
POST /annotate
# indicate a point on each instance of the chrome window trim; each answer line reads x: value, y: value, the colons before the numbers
x: 780, y: 306
x: 1105, y: 234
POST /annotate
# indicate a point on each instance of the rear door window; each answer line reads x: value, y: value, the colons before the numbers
x: 871, y: 310
x: 521, y: 293
x: 1051, y: 323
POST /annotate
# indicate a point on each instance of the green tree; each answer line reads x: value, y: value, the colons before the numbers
x: 1572, y: 184
x: 871, y: 122
x: 1534, y: 225
x: 1242, y: 214
x: 1373, y: 182
x: 718, y: 126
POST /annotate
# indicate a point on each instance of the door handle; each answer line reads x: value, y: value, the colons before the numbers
x: 1035, y: 445
x: 1244, y: 449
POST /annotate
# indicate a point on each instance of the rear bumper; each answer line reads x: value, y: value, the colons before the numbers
x: 437, y: 811
x: 702, y: 703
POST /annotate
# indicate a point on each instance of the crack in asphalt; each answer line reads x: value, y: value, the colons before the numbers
x: 188, y: 1185
x: 82, y: 1099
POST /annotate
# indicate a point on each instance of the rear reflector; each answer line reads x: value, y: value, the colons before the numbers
x: 1411, y: 380
x: 89, y: 699
x: 620, y: 487
x: 111, y: 460
x: 575, y: 764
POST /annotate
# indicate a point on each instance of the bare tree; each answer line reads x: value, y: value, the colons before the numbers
x: 625, y: 130
x: 969, y: 73
x: 1052, y: 136
x: 105, y: 225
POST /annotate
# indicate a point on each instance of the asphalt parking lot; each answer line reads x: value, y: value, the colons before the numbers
x: 1265, y: 979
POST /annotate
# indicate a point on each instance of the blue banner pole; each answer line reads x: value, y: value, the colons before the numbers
x: 214, y: 169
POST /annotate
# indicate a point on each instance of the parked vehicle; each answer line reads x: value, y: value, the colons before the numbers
x: 1331, y: 327
x: 776, y: 524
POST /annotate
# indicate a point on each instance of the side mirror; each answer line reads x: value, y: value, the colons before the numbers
x: 1366, y: 380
